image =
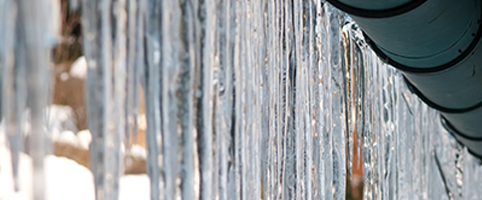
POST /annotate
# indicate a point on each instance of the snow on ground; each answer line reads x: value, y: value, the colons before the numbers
x: 134, y: 187
x: 65, y: 179
x: 79, y: 68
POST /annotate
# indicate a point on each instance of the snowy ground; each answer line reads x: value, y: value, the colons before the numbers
x: 65, y: 179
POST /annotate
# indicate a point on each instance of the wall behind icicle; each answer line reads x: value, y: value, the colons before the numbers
x: 244, y: 100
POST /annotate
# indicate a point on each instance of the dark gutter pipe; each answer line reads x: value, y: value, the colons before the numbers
x: 436, y: 44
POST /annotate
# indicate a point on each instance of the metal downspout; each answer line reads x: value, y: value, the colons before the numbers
x: 436, y: 45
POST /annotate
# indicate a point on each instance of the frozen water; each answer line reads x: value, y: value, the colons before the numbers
x: 244, y: 100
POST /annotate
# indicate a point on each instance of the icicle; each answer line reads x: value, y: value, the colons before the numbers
x: 105, y: 55
x: 117, y: 115
x: 290, y: 174
x: 255, y: 57
x: 349, y: 99
x: 471, y: 176
x: 369, y: 132
x: 337, y: 105
x: 95, y: 89
x: 301, y: 114
x: 187, y: 44
x: 358, y: 64
x: 236, y: 171
x: 176, y: 74
x: 223, y: 100
x: 326, y: 146
x: 204, y: 94
x: 152, y: 90
x: 404, y: 121
x: 140, y: 58
x: 306, y: 115
x: 34, y: 49
x: 268, y: 127
x: 152, y: 98
x: 318, y: 109
x: 11, y: 91
x: 131, y: 69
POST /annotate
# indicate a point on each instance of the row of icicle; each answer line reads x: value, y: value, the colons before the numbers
x: 244, y: 100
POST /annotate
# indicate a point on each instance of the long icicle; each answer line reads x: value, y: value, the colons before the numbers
x: 204, y: 114
x: 35, y: 49
x: 105, y: 54
x: 13, y: 106
x: 152, y: 95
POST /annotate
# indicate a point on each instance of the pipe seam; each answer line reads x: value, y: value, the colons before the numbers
x: 459, y: 137
x: 377, y: 13
x: 443, y: 67
x: 451, y: 129
x: 435, y: 106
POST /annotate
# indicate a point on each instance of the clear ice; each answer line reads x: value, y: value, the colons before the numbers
x: 244, y: 100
